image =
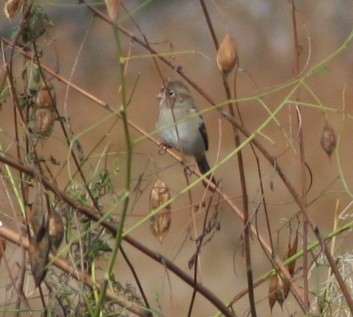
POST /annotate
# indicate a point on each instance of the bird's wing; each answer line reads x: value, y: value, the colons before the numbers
x: 202, y: 129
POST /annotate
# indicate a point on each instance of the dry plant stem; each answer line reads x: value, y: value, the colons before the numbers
x: 198, y: 250
x: 92, y: 214
x: 78, y: 275
x: 18, y: 289
x: 302, y: 161
x: 21, y: 282
x: 137, y: 279
x: 241, y: 169
x: 16, y: 110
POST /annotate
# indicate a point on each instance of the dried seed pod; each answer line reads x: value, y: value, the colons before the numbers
x: 46, y: 97
x: 160, y: 223
x: 328, y: 139
x: 227, y: 54
x: 11, y: 8
x: 55, y: 231
x: 38, y: 252
x: 279, y: 293
x: 44, y: 122
x: 292, y: 249
x: 272, y: 291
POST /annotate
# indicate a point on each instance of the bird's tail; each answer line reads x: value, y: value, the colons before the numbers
x: 204, y: 167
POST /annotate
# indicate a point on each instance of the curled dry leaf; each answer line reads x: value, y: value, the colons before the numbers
x: 2, y: 247
x: 55, y: 231
x: 227, y: 54
x: 45, y: 119
x: 328, y: 139
x: 38, y: 252
x: 11, y: 8
x: 160, y: 223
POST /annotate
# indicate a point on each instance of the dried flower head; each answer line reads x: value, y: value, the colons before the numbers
x: 227, y: 54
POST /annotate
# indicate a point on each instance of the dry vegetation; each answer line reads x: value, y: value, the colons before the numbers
x: 99, y: 219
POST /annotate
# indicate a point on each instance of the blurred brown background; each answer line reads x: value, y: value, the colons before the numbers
x: 264, y: 35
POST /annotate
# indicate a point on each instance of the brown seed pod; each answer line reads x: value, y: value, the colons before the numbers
x: 38, y: 252
x: 279, y: 294
x: 55, y: 231
x: 44, y: 122
x: 160, y: 223
x: 328, y: 139
x: 227, y: 54
x: 272, y: 288
x: 11, y: 8
x: 46, y: 97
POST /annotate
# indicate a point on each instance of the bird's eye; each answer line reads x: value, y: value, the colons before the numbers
x: 171, y: 93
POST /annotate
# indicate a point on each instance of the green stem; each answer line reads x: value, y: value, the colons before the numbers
x: 119, y: 235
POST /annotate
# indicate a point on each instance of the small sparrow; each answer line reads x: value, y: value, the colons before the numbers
x: 180, y: 126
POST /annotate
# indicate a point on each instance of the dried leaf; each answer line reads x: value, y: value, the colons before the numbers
x: 2, y: 247
x: 328, y: 139
x: 55, y: 231
x: 272, y: 291
x: 11, y: 8
x: 38, y: 253
x: 227, y: 54
x: 112, y: 8
x: 160, y: 223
